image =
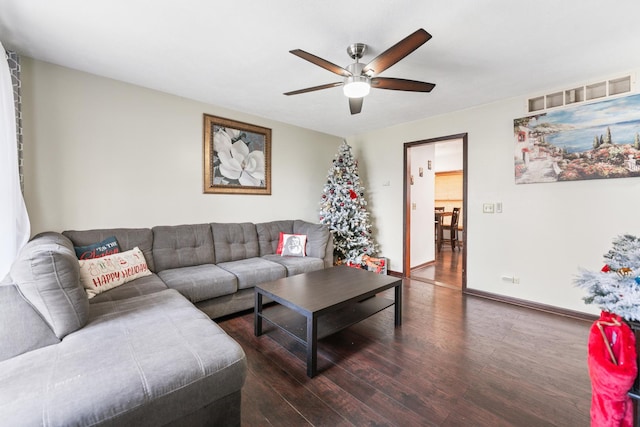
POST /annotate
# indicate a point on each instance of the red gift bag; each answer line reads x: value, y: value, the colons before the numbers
x: 613, y: 369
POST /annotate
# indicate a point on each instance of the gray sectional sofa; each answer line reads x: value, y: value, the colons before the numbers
x: 145, y: 353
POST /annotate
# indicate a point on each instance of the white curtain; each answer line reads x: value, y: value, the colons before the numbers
x: 14, y: 221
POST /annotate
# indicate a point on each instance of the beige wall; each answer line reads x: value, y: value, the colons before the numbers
x: 102, y: 153
x: 546, y: 232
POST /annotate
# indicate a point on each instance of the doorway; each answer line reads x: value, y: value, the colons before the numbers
x: 422, y: 259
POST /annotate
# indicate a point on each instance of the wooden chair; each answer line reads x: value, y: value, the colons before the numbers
x: 437, y: 222
x: 453, y: 229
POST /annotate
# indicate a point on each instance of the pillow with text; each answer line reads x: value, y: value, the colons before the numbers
x: 101, y: 274
x: 108, y: 246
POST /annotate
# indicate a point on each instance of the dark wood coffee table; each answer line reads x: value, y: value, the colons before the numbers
x: 314, y: 305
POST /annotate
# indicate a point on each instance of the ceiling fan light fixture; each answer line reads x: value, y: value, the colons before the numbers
x: 356, y: 86
x: 358, y: 77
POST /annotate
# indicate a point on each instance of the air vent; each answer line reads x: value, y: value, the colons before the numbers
x: 588, y: 92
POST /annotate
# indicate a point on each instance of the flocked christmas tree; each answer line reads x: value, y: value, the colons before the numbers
x: 616, y: 287
x: 343, y: 209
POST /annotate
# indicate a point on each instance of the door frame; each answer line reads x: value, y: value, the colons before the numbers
x: 406, y: 247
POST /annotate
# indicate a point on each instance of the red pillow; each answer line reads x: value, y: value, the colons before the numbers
x: 280, y: 244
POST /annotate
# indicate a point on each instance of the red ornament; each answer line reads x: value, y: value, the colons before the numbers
x: 606, y: 268
x: 352, y: 194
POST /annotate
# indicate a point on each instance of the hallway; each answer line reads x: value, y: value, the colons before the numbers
x: 446, y: 271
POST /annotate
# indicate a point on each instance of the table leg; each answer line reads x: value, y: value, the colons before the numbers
x: 312, y: 345
x: 398, y: 305
x: 257, y: 315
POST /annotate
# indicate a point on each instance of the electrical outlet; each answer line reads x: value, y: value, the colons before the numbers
x: 487, y: 208
x: 513, y: 279
x: 413, y: 206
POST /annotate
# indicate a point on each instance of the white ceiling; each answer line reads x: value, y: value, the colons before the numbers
x: 235, y: 53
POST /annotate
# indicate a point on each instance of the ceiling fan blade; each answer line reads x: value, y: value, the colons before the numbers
x: 311, y: 89
x: 355, y: 105
x: 322, y: 63
x: 401, y: 84
x: 396, y: 52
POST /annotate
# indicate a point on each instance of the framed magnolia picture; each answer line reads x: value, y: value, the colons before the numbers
x: 237, y: 157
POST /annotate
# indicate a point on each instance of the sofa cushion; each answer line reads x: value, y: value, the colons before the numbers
x: 252, y: 271
x: 166, y: 359
x: 98, y: 275
x: 297, y: 265
x: 234, y: 241
x: 22, y: 329
x: 182, y: 246
x: 141, y: 286
x: 318, y: 236
x: 269, y: 235
x: 128, y: 238
x: 47, y: 273
x: 200, y: 282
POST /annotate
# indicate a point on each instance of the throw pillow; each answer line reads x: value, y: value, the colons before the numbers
x: 101, y: 274
x: 108, y: 246
x: 294, y: 245
x: 280, y: 244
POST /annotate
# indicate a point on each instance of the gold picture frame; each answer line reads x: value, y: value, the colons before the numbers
x: 237, y: 157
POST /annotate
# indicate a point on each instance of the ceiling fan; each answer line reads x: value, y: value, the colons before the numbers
x: 359, y: 78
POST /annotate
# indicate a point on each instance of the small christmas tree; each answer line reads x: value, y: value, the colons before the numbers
x: 343, y: 209
x: 616, y: 287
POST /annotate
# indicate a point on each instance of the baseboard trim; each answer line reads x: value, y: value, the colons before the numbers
x: 532, y: 305
x: 423, y: 265
x: 395, y: 274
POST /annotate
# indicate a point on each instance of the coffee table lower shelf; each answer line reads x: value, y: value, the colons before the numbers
x: 295, y: 324
x: 311, y: 306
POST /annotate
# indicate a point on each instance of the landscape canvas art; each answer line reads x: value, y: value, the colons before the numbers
x: 590, y: 141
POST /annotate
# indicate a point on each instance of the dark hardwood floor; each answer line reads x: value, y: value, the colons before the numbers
x: 447, y: 269
x: 456, y: 361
